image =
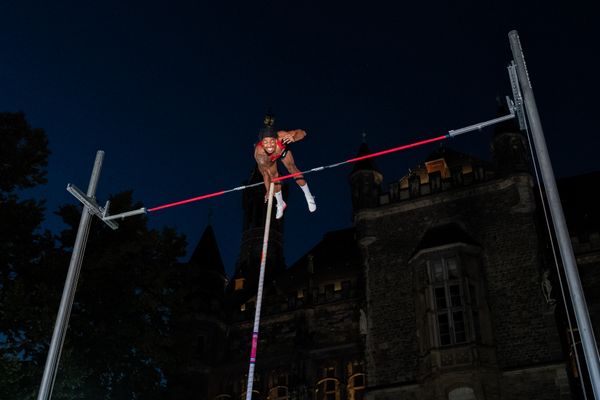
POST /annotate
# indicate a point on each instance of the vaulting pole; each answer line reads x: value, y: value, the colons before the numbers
x: 66, y: 302
x: 562, y: 233
x: 259, y: 293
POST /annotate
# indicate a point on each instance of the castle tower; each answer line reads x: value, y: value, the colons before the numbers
x: 365, y: 180
x: 199, y: 320
x: 509, y: 146
x: 453, y: 275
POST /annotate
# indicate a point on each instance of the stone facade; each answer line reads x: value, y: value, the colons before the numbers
x: 440, y: 290
x: 494, y: 237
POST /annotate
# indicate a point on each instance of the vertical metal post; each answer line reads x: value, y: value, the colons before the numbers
x: 564, y: 242
x: 66, y: 302
x: 259, y: 293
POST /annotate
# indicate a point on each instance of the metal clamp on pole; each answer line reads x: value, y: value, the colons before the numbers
x: 516, y: 90
x: 100, y: 212
x: 92, y: 206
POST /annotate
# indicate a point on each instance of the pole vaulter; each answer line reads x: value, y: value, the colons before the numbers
x: 92, y: 208
x: 526, y: 103
x: 450, y: 134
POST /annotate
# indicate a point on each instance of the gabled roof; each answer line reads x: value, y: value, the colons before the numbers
x: 443, y: 235
x: 338, y: 251
x: 207, y: 255
x: 367, y: 164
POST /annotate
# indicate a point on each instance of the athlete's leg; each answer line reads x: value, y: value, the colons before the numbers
x: 290, y: 165
x: 274, y: 173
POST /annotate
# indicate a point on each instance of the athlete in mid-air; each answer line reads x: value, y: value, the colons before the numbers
x: 273, y: 146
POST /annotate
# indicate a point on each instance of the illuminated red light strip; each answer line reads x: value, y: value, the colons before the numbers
x: 372, y: 155
x: 178, y: 203
x: 284, y: 177
x: 406, y: 146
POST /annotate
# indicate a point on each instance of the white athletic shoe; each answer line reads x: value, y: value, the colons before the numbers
x: 312, y: 206
x: 280, y: 209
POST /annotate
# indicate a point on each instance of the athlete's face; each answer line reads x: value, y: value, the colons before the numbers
x: 269, y: 144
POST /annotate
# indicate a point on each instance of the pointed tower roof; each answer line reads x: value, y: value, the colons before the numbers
x: 207, y: 255
x: 445, y: 234
x: 368, y: 164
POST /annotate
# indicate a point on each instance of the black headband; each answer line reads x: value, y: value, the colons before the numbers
x: 267, y: 131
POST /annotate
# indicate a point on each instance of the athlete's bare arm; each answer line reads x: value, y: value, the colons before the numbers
x: 291, y: 136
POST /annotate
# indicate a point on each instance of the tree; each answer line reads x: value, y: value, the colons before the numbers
x: 120, y: 324
x: 23, y: 248
x: 119, y: 339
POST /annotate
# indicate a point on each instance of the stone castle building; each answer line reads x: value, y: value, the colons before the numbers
x: 443, y: 288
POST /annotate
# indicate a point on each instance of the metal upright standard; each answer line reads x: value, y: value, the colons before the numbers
x: 564, y: 243
x: 90, y: 208
x: 259, y: 293
x: 66, y: 302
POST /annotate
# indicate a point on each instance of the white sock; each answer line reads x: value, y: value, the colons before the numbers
x: 310, y: 200
x: 280, y: 205
x: 279, y: 198
x: 306, y: 190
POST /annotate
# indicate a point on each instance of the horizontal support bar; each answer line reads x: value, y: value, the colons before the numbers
x: 480, y: 125
x: 125, y: 214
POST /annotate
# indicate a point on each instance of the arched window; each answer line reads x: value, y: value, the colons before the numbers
x: 356, y: 386
x: 244, y: 387
x: 462, y: 393
x: 255, y: 395
x: 328, y: 389
x: 222, y: 397
x: 278, y: 393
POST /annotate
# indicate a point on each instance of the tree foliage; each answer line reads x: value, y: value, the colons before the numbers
x: 121, y: 316
x: 23, y: 154
x: 23, y: 249
x: 119, y: 341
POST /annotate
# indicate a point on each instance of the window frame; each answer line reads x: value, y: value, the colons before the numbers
x: 352, y: 389
x: 324, y: 394
x: 275, y: 389
x: 457, y: 299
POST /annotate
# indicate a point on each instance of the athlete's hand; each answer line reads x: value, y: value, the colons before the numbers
x: 287, y: 138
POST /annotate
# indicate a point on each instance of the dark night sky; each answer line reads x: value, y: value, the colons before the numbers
x: 175, y: 92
